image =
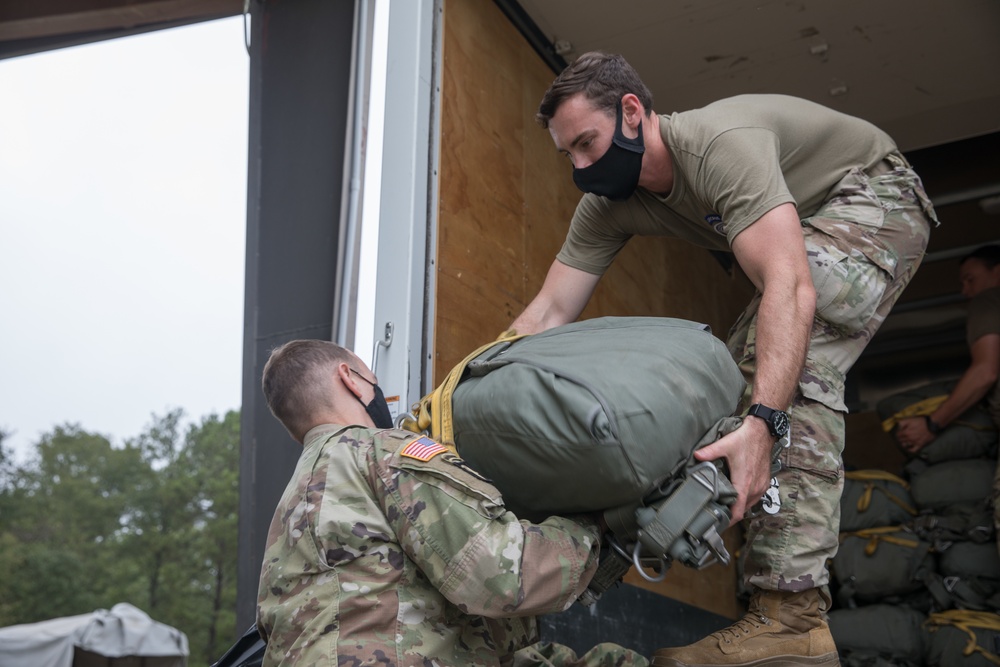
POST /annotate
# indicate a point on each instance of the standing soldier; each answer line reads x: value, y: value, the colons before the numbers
x: 829, y: 223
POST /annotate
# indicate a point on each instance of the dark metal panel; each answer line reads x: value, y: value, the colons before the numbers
x: 24, y: 47
x: 300, y: 66
x: 43, y: 25
x: 545, y: 49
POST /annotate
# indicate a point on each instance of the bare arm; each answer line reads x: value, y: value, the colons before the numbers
x: 981, y: 374
x: 773, y: 255
x: 563, y: 296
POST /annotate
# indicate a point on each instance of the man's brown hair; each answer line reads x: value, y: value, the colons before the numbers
x: 987, y: 254
x: 603, y: 79
x: 296, y: 381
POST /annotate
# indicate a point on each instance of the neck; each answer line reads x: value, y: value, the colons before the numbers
x: 657, y: 166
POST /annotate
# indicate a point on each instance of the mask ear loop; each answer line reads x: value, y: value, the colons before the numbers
x: 636, y: 145
x: 356, y: 396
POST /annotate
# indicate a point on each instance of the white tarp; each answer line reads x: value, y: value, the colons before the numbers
x: 124, y: 632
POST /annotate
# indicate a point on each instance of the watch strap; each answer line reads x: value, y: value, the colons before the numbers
x: 770, y: 416
x: 932, y: 425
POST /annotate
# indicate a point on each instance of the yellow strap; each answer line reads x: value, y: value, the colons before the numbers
x: 880, y: 475
x: 432, y: 414
x: 912, y: 511
x: 881, y: 534
x: 922, y: 408
x: 967, y: 620
x: 872, y: 476
x: 879, y: 530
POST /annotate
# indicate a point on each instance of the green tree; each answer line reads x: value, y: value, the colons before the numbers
x: 160, y: 527
x: 213, y: 449
x: 64, y: 517
x: 185, y: 527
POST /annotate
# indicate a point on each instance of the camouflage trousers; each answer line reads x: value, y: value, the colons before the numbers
x: 547, y: 654
x: 864, y: 244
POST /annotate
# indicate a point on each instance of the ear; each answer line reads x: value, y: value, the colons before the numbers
x: 347, y: 377
x: 632, y: 110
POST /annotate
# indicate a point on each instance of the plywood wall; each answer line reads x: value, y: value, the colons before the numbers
x: 506, y: 197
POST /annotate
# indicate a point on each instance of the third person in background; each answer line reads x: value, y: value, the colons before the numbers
x: 979, y: 273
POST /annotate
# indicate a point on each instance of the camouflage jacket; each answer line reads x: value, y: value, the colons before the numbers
x: 387, y: 549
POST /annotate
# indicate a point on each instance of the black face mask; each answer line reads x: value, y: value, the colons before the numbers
x: 615, y: 174
x: 378, y: 409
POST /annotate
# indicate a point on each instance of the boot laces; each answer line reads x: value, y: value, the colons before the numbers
x: 744, y: 627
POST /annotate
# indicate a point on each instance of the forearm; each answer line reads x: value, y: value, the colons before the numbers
x: 971, y: 388
x: 560, y: 301
x: 977, y: 380
x: 516, y: 568
x: 477, y: 553
x: 773, y: 255
x: 784, y: 323
x: 537, y: 317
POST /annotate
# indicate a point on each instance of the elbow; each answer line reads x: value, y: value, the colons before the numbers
x: 806, y: 298
x: 485, y: 602
x: 983, y: 375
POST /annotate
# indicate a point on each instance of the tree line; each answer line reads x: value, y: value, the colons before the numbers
x: 85, y: 525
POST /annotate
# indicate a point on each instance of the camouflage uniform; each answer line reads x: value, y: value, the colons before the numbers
x: 386, y: 549
x: 863, y: 246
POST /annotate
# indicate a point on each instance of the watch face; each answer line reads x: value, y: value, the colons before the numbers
x: 779, y: 422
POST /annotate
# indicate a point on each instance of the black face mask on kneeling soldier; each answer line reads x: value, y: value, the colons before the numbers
x: 615, y: 174
x: 378, y: 408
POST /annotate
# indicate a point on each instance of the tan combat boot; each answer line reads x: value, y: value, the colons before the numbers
x: 780, y: 630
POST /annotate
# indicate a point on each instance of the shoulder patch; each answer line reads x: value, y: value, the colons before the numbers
x: 714, y: 221
x: 422, y: 449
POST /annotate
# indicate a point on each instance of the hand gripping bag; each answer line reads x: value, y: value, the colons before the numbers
x: 972, y: 435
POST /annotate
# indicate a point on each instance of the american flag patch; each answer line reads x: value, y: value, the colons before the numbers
x: 423, y: 449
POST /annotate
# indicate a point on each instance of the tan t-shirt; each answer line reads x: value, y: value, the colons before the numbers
x: 984, y: 318
x: 734, y: 160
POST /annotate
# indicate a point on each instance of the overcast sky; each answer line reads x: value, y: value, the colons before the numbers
x: 122, y: 231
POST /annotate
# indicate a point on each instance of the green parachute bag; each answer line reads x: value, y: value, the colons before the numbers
x: 888, y: 632
x: 936, y: 487
x: 879, y: 565
x: 603, y: 415
x: 963, y: 638
x: 967, y: 577
x: 613, y: 406
x: 958, y: 522
x: 874, y: 498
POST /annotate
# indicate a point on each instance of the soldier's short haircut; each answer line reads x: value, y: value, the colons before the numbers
x: 603, y: 79
x: 987, y: 254
x: 296, y: 381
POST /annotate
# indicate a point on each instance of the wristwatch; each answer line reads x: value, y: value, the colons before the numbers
x: 932, y: 425
x: 777, y: 420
